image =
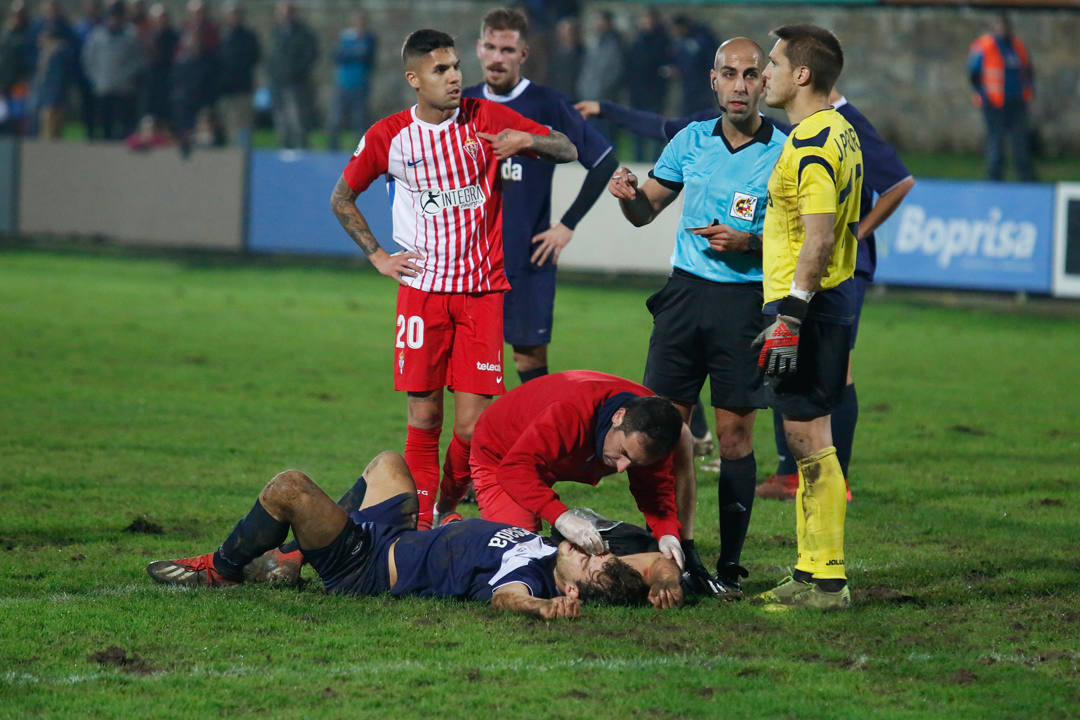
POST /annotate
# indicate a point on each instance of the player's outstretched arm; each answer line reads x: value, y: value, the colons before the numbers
x: 554, y: 147
x: 398, y: 266
x: 515, y: 597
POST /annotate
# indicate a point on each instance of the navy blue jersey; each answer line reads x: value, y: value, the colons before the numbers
x: 884, y: 170
x: 471, y: 559
x: 526, y: 182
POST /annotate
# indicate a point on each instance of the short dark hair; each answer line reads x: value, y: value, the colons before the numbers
x: 657, y: 419
x: 816, y: 48
x: 505, y: 19
x: 421, y: 42
x: 616, y: 584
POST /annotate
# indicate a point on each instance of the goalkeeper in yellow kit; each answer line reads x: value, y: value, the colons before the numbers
x: 808, y: 248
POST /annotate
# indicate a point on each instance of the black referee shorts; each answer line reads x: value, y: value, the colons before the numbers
x: 817, y: 387
x: 704, y: 328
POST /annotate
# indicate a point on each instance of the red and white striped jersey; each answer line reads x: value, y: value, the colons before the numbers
x: 445, y: 197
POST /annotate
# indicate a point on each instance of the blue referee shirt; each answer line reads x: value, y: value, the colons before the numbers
x: 722, y: 184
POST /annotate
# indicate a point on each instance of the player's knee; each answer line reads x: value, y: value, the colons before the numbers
x: 387, y: 464
x: 285, y: 488
x: 425, y: 416
x: 465, y: 432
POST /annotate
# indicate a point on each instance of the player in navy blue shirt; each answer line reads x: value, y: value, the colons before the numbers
x: 531, y: 243
x: 376, y: 549
x: 886, y: 178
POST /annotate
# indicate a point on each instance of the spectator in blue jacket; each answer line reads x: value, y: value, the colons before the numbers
x: 354, y: 61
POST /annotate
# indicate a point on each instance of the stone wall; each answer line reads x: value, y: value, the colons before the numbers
x: 905, y: 66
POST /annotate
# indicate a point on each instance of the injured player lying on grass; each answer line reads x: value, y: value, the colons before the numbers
x: 376, y: 549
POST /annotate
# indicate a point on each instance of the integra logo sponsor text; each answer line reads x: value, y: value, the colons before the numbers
x: 433, y: 202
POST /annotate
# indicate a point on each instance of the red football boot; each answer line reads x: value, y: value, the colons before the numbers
x: 778, y: 487
x: 192, y: 572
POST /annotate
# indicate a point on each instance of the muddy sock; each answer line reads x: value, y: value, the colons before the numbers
x: 252, y: 536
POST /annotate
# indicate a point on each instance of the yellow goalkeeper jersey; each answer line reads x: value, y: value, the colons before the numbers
x: 820, y: 170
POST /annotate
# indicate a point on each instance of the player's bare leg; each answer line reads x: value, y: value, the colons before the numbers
x: 422, y: 448
x: 531, y: 361
x: 387, y: 476
x: 290, y: 499
x: 456, y: 477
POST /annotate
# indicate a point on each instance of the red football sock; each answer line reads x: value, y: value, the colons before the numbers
x: 422, y: 457
x: 456, y: 477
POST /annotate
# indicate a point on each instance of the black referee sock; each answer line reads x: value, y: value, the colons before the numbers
x: 351, y: 500
x: 527, y: 375
x: 735, y: 495
x: 252, y: 536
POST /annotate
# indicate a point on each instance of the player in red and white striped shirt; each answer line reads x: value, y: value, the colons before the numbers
x: 441, y: 158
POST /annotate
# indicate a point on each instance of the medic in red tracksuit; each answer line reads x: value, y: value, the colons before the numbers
x: 553, y: 429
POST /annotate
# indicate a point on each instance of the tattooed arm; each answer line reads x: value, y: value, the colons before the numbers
x: 554, y: 147
x: 398, y: 266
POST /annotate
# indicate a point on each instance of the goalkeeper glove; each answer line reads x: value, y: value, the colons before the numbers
x: 780, y: 341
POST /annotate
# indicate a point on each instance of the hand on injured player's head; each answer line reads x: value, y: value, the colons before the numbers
x: 672, y: 549
x: 580, y: 531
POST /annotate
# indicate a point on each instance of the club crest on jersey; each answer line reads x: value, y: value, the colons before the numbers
x: 433, y: 202
x: 471, y: 147
x: 401, y: 363
x: 743, y: 206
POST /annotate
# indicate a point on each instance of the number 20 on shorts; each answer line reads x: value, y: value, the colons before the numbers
x: 410, y: 331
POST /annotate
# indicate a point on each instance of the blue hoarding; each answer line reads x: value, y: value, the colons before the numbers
x: 972, y: 235
x: 289, y: 208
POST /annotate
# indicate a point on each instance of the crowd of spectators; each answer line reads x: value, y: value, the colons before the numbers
x: 128, y: 71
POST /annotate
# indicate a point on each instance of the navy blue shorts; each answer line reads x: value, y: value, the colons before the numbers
x: 817, y: 387
x: 356, y: 562
x: 528, y: 306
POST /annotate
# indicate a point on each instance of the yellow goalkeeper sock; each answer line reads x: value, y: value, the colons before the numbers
x: 820, y: 506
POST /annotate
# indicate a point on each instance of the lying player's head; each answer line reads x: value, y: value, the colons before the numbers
x: 502, y: 48
x: 736, y: 77
x: 643, y: 431
x: 804, y: 56
x: 432, y: 68
x: 598, y: 578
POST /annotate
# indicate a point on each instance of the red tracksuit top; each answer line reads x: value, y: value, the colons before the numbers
x: 544, y: 431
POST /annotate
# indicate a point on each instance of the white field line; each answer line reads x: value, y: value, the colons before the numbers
x: 353, y: 670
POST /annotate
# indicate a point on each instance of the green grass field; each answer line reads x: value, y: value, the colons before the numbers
x: 161, y: 393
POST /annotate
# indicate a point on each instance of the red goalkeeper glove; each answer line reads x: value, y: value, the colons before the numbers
x: 780, y: 341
